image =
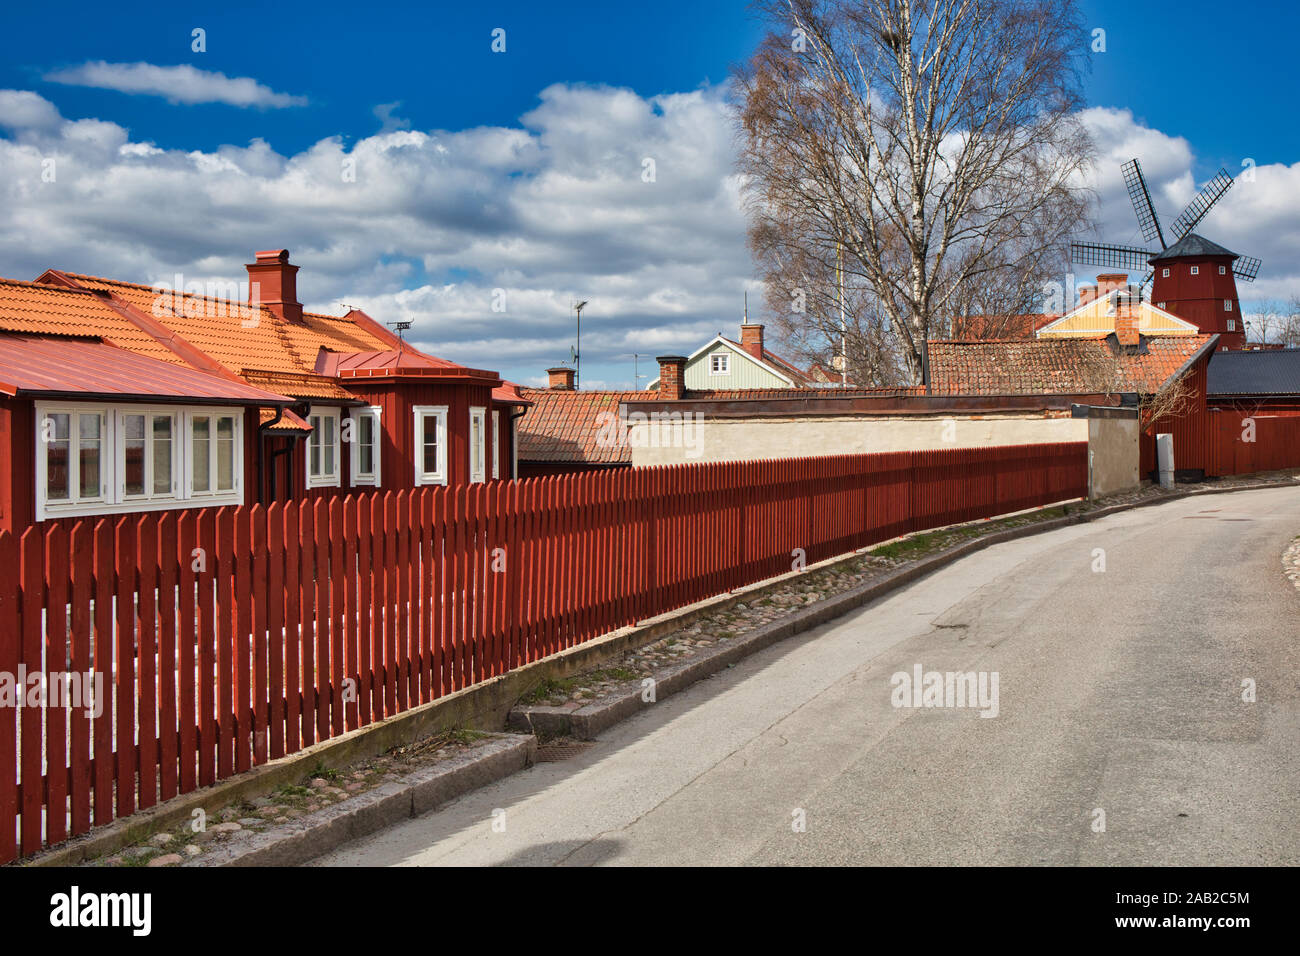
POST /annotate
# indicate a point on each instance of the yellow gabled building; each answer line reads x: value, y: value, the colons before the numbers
x: 1095, y: 317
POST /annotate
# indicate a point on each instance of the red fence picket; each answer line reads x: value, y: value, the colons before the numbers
x: 228, y: 637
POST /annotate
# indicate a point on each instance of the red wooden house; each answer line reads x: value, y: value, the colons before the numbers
x: 117, y: 397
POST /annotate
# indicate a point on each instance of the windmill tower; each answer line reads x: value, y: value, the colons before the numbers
x: 1194, y: 278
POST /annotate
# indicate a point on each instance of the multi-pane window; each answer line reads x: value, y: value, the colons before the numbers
x: 148, y: 449
x: 213, y: 440
x: 323, y: 448
x: 1196, y: 270
x: 430, y: 444
x: 720, y: 363
x: 73, y: 455
x: 364, y: 445
x: 1223, y: 270
x: 1232, y: 325
x: 103, y: 460
x: 477, y: 444
x: 1227, y: 305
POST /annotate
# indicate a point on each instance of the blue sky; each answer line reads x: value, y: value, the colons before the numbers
x: 518, y: 171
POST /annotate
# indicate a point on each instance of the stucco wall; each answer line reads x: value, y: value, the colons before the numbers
x: 729, y: 439
x: 1113, y: 455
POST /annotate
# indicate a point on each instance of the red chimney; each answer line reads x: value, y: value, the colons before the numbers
x: 1087, y: 293
x: 672, y: 375
x: 272, y: 282
x: 1126, y: 319
x: 751, y: 340
x: 1110, y: 282
x: 560, y: 377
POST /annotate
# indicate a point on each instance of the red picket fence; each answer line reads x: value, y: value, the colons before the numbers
x: 229, y: 637
x: 1237, y: 449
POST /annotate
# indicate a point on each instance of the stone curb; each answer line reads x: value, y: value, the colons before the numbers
x: 588, y: 721
x: 417, y: 793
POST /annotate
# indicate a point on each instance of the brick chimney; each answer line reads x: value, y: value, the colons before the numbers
x: 1087, y: 293
x: 672, y: 376
x: 1108, y: 283
x: 273, y: 282
x: 1126, y: 319
x: 751, y: 340
x: 560, y: 377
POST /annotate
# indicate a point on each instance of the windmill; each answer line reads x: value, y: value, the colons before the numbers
x: 1136, y: 259
x: 1207, y: 298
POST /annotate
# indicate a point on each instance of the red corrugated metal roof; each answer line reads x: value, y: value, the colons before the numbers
x: 75, y: 367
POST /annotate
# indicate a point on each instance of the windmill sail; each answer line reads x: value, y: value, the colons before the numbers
x: 1201, y: 203
x: 1141, y: 199
x: 1128, y: 258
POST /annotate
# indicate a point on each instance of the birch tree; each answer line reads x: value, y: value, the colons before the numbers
x: 927, y: 155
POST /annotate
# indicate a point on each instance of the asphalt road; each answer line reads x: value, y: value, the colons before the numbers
x: 1118, y: 691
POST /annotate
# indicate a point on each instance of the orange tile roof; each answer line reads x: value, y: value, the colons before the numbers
x: 301, y: 384
x: 217, y: 335
x: 239, y: 336
x: 1057, y: 366
x: 565, y: 426
x: 288, y: 423
x: 53, y: 310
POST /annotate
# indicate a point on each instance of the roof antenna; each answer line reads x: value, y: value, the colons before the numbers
x: 746, y: 320
x: 399, y: 328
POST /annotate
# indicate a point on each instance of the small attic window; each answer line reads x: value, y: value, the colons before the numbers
x: 1164, y: 273
x: 1223, y: 270
x: 720, y: 363
x: 1227, y: 305
x: 1160, y: 305
x: 1196, y: 270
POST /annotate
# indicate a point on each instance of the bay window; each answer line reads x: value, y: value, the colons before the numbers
x: 98, y: 459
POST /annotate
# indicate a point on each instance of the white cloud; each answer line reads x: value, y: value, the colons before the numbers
x: 22, y: 109
x: 552, y: 210
x: 179, y: 84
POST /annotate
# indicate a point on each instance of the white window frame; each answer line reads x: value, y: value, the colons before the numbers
x: 112, y: 470
x: 496, y: 444
x: 212, y: 496
x: 335, y: 478
x: 177, y: 476
x: 1162, y: 305
x: 1232, y: 325
x: 1164, y: 274
x: 1223, y: 270
x: 722, y: 359
x: 478, y: 450
x: 357, y: 477
x: 1196, y: 270
x: 1227, y: 305
x: 438, y: 477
